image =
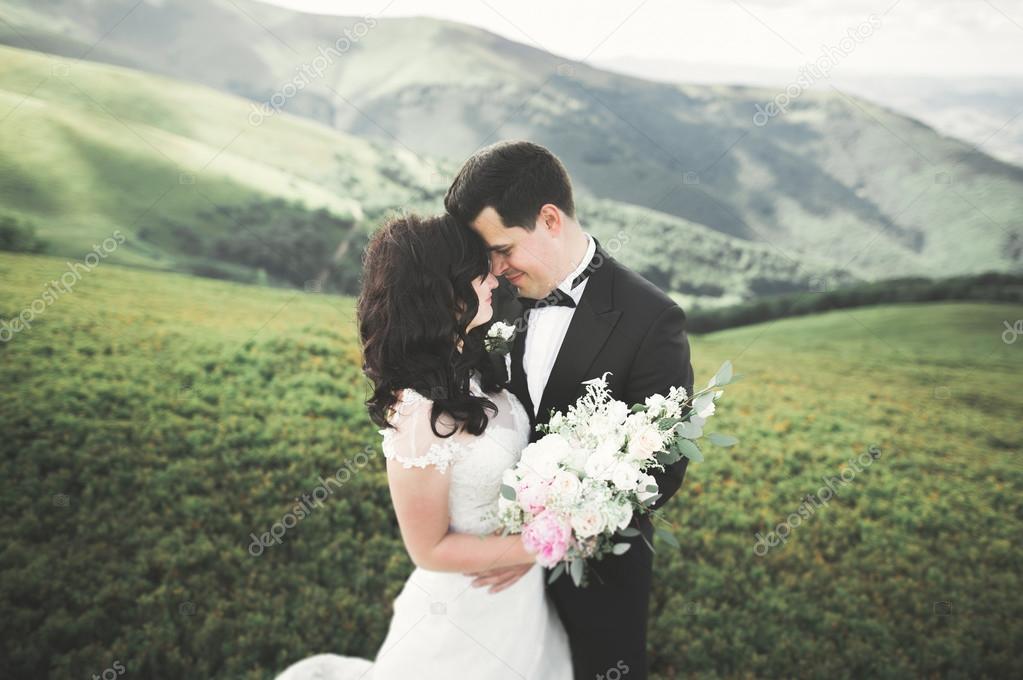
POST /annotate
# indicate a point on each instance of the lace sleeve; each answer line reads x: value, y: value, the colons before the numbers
x: 412, y: 442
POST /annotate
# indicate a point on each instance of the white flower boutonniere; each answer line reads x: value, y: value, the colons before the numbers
x: 498, y: 340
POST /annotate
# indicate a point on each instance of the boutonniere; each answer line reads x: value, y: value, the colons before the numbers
x: 499, y: 338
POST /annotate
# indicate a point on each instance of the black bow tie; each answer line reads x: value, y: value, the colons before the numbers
x: 556, y: 299
x: 559, y: 298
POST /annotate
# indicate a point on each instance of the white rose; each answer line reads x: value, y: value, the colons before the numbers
x: 634, y: 422
x: 655, y: 405
x: 644, y: 443
x: 541, y: 458
x: 576, y: 459
x: 587, y: 521
x: 617, y: 412
x: 501, y: 330
x: 565, y: 486
x: 624, y: 476
x: 601, y: 463
x: 607, y: 427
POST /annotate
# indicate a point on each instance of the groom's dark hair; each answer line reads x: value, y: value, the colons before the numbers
x: 514, y: 178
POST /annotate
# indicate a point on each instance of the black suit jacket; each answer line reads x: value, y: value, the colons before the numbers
x: 626, y: 325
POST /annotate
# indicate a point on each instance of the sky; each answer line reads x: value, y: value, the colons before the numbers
x: 933, y: 38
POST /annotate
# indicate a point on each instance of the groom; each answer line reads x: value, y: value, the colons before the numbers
x: 579, y: 313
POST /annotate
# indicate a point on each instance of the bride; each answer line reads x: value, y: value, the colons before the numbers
x: 449, y: 431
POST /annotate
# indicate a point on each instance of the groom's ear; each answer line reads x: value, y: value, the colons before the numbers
x: 551, y: 218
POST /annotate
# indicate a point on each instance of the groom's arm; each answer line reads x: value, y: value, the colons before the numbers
x: 662, y: 362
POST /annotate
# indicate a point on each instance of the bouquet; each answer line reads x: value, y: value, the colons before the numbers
x: 573, y: 493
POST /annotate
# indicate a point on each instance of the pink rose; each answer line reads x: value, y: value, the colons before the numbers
x: 532, y: 493
x: 548, y: 536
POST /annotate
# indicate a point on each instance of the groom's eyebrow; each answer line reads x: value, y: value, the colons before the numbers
x: 500, y: 246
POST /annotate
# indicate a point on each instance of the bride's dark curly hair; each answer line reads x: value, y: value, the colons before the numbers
x: 416, y: 301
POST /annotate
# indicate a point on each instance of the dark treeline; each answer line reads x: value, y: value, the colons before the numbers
x: 990, y: 287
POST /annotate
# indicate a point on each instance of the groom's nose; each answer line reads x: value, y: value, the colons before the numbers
x: 497, y: 264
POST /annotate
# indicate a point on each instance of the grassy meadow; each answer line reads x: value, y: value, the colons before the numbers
x: 153, y: 422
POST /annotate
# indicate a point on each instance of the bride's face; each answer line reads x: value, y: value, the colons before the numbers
x: 484, y: 288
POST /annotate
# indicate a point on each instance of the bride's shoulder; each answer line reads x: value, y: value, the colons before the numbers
x: 411, y: 439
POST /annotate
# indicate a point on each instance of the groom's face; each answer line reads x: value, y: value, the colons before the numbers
x: 527, y: 259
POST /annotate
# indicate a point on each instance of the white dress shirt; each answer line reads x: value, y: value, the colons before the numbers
x: 547, y: 328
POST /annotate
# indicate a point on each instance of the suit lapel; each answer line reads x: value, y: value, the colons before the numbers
x: 518, y: 384
x: 591, y: 324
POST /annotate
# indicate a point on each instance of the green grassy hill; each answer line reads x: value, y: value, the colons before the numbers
x: 153, y: 421
x: 837, y: 179
x: 194, y: 186
x: 88, y: 148
x: 180, y: 170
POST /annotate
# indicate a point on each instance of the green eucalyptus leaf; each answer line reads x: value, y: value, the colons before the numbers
x: 689, y: 430
x: 667, y: 457
x: 722, y: 439
x: 667, y: 537
x: 576, y: 570
x: 724, y: 374
x: 666, y: 423
x: 689, y: 450
x: 556, y: 572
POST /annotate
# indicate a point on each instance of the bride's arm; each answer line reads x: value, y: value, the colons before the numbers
x: 420, y: 497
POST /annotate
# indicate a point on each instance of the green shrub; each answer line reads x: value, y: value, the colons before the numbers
x: 19, y: 237
x: 990, y: 287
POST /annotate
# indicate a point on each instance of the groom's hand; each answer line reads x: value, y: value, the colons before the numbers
x: 499, y: 579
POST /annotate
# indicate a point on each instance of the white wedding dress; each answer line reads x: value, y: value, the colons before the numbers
x: 442, y: 628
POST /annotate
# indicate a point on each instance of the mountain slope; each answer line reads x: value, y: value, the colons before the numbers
x: 835, y: 179
x: 87, y: 148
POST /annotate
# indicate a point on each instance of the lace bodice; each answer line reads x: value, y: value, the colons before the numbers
x: 474, y: 463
